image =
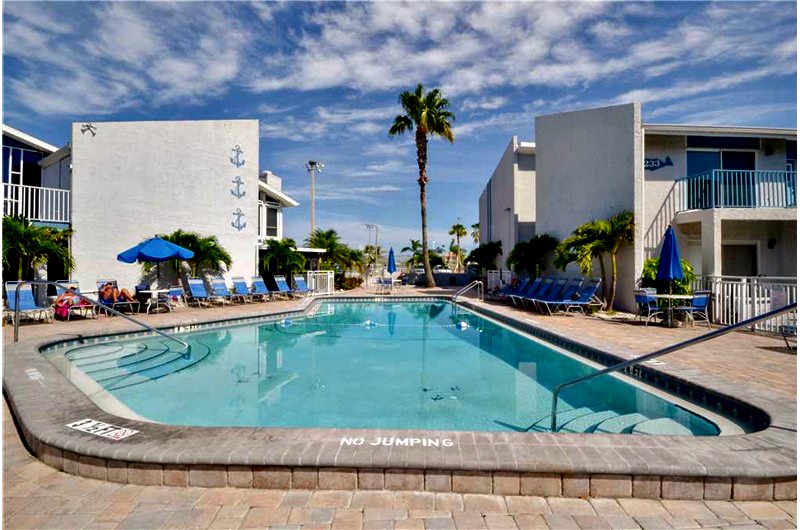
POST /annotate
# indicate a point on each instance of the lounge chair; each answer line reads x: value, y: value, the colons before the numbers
x: 283, y: 287
x: 646, y: 304
x: 240, y: 289
x: 534, y: 289
x: 509, y: 290
x: 260, y: 290
x: 27, y: 304
x: 552, y: 292
x: 698, y: 308
x: 300, y: 286
x: 220, y: 291
x: 571, y: 288
x: 584, y: 297
x: 198, y: 292
x: 82, y: 306
x: 176, y: 296
x: 120, y: 304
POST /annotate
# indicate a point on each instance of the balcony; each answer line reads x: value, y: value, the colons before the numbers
x: 45, y: 205
x: 723, y: 188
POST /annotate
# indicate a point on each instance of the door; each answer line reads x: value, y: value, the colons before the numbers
x: 700, y: 164
x: 737, y: 184
x: 739, y: 260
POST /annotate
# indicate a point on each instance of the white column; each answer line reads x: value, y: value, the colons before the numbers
x: 711, y: 240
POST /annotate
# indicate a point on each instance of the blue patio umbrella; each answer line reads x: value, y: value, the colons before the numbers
x: 669, y: 262
x: 155, y: 250
x: 391, y: 266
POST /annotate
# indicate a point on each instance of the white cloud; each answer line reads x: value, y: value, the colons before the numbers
x: 484, y: 103
x: 333, y: 191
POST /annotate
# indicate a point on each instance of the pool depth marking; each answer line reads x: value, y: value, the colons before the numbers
x: 99, y: 428
x: 397, y: 441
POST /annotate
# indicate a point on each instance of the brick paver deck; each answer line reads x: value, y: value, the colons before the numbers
x: 38, y: 496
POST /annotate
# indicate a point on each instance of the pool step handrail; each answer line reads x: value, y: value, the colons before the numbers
x: 471, y: 285
x: 664, y: 351
x: 61, y: 287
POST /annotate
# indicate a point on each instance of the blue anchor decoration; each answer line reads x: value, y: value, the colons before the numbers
x: 238, y: 224
x: 238, y: 192
x: 238, y: 156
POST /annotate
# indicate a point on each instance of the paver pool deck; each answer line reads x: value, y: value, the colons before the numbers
x: 753, y: 368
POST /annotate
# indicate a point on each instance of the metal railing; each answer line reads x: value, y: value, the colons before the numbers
x: 60, y: 287
x: 321, y: 282
x: 36, y: 203
x: 663, y: 351
x: 471, y: 285
x: 724, y: 188
x: 496, y: 279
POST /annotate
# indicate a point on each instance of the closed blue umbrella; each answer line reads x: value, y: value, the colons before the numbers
x: 669, y: 265
x: 391, y: 266
x: 154, y: 250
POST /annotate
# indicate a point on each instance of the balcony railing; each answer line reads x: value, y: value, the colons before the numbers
x: 724, y: 188
x: 49, y: 205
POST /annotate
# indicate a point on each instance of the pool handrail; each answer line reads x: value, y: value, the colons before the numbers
x: 664, y: 351
x: 472, y: 284
x: 94, y: 303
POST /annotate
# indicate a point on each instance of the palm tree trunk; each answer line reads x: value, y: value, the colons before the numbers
x: 422, y: 161
x: 613, y: 287
x: 604, y: 278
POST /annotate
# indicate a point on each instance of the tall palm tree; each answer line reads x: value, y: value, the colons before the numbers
x: 209, y: 255
x: 476, y: 233
x: 282, y: 257
x: 337, y: 254
x: 415, y: 248
x: 427, y: 114
x: 27, y: 246
x: 458, y: 230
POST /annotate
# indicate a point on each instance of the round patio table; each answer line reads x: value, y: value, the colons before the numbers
x: 670, y: 321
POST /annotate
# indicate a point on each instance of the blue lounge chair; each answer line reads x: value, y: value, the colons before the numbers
x: 27, y: 304
x: 550, y: 293
x: 509, y: 290
x: 698, y: 308
x: 570, y: 290
x: 120, y: 303
x: 81, y: 306
x: 646, y: 305
x: 283, y: 287
x: 176, y: 296
x: 260, y: 288
x: 585, y: 296
x: 240, y: 290
x: 219, y: 289
x: 534, y: 289
x: 198, y: 292
x: 300, y: 286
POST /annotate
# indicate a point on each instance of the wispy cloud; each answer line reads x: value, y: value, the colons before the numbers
x: 484, y: 103
x: 334, y: 192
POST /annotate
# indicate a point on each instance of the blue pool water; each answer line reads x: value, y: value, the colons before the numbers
x: 372, y: 365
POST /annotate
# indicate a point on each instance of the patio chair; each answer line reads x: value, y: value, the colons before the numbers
x: 698, y: 308
x: 81, y: 306
x: 260, y: 290
x: 283, y: 287
x: 220, y: 291
x: 198, y: 292
x: 551, y: 293
x: 789, y: 331
x: 534, y: 289
x: 510, y: 290
x: 118, y: 304
x: 646, y: 305
x: 175, y: 297
x: 584, y: 297
x: 27, y: 304
x: 240, y: 289
x: 300, y: 286
x: 570, y: 290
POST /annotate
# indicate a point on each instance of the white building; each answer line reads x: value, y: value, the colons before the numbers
x: 118, y: 183
x: 730, y: 192
x: 507, y: 206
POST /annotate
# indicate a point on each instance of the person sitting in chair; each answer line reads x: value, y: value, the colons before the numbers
x: 110, y: 294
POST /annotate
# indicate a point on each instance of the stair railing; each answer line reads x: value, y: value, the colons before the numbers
x: 471, y: 285
x: 663, y: 351
x: 61, y: 287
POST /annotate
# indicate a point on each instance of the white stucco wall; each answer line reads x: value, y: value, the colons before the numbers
x: 586, y: 167
x: 133, y: 180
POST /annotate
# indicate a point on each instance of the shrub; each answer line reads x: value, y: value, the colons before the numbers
x: 650, y: 270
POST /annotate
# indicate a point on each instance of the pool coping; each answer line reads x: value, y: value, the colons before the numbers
x: 757, y: 465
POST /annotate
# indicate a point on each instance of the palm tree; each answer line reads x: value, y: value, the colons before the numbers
x: 427, y: 114
x: 476, y: 233
x: 28, y: 246
x: 338, y: 255
x: 531, y: 256
x: 282, y: 257
x: 209, y: 255
x: 415, y: 248
x: 593, y: 240
x: 458, y: 230
x: 486, y: 254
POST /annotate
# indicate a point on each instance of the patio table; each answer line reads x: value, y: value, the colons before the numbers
x: 669, y: 321
x: 153, y: 299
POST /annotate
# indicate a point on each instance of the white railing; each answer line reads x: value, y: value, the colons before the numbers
x: 737, y: 298
x: 321, y: 282
x: 498, y: 279
x: 36, y: 203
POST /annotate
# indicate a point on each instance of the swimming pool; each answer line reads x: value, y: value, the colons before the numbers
x: 380, y: 365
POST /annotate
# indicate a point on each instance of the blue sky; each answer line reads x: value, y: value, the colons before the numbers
x: 323, y: 79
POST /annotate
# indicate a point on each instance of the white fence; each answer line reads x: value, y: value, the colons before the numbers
x: 497, y: 279
x: 321, y: 282
x: 36, y: 203
x: 737, y: 298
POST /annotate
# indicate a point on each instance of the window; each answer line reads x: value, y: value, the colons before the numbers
x: 272, y: 221
x: 733, y: 186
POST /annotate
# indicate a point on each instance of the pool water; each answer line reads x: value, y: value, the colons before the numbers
x: 432, y: 366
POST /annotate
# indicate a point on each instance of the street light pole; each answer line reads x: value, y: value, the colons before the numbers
x: 313, y: 167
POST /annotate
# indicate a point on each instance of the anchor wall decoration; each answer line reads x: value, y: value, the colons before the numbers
x: 238, y: 224
x: 238, y: 192
x: 238, y: 156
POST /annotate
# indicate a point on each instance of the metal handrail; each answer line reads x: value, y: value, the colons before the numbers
x: 663, y: 351
x: 472, y: 284
x: 94, y: 303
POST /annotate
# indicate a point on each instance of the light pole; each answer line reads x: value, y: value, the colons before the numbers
x: 313, y: 168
